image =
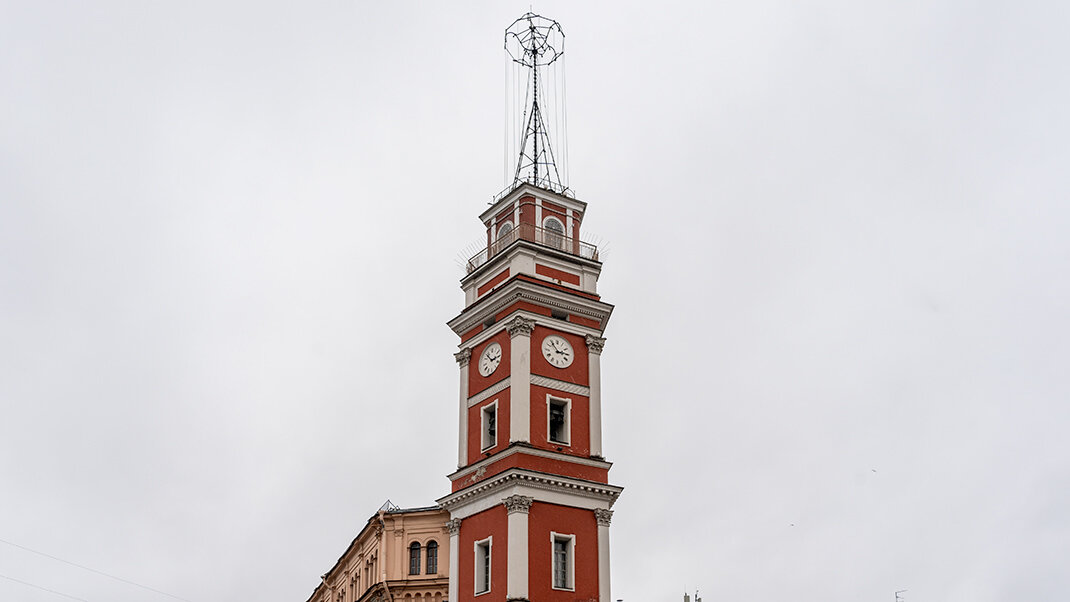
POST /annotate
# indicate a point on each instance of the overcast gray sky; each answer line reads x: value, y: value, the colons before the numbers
x: 836, y: 237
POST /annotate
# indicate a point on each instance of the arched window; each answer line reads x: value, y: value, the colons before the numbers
x: 554, y: 232
x: 432, y: 557
x: 414, y: 558
x: 505, y: 230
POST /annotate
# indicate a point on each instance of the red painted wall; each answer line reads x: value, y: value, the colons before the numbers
x: 493, y: 282
x: 527, y: 210
x: 580, y: 436
x: 538, y: 464
x: 476, y: 528
x: 575, y: 373
x: 544, y: 518
x: 556, y: 274
x: 522, y: 305
x: 476, y: 381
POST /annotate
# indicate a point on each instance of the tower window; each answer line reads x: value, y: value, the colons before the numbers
x: 505, y: 231
x: 490, y: 426
x: 559, y: 411
x: 553, y: 233
x: 563, y: 567
x: 483, y: 566
x: 432, y: 557
x: 414, y: 558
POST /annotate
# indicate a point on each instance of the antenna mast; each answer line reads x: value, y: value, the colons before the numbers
x: 535, y: 42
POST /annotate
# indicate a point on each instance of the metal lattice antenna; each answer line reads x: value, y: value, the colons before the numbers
x: 535, y: 42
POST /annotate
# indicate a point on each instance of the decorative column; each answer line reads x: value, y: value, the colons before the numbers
x: 463, y: 357
x: 454, y: 527
x: 517, y: 507
x: 520, y: 378
x: 603, y: 517
x: 594, y: 369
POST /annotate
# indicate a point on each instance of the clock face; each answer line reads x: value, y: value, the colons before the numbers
x: 557, y: 351
x: 488, y: 362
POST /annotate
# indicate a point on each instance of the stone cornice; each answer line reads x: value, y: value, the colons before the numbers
x: 489, y: 392
x: 534, y: 480
x: 525, y: 189
x: 520, y: 290
x: 560, y: 385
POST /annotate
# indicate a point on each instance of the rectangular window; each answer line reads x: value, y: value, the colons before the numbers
x: 563, y: 567
x: 490, y: 426
x: 432, y: 557
x: 414, y: 558
x: 558, y: 427
x: 483, y: 566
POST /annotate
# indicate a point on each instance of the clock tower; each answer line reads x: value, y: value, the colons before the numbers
x: 530, y: 502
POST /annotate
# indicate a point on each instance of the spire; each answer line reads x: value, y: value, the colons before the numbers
x: 535, y: 42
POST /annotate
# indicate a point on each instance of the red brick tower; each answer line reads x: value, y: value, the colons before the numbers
x: 530, y: 502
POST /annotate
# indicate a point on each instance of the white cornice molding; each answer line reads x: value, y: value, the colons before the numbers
x: 489, y: 392
x: 560, y: 385
x: 525, y: 189
x: 530, y: 451
x: 519, y: 290
x: 530, y: 480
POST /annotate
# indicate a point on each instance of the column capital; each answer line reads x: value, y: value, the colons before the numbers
x: 520, y: 326
x: 603, y: 516
x: 595, y: 344
x: 517, y: 503
x: 463, y: 357
x: 453, y: 526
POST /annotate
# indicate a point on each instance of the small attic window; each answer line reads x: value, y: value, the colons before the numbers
x: 559, y: 314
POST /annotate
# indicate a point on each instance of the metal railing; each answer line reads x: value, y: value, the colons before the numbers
x: 532, y: 233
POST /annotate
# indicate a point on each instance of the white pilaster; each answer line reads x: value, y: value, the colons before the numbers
x: 454, y: 527
x: 520, y: 379
x: 603, y: 517
x: 463, y: 357
x: 594, y: 370
x: 517, y: 506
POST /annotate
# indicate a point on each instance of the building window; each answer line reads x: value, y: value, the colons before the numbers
x: 505, y: 231
x: 554, y: 232
x: 559, y: 413
x: 563, y: 567
x: 414, y: 558
x: 432, y: 557
x: 482, y: 566
x: 490, y: 426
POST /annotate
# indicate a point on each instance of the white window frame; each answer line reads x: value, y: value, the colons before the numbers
x: 548, y: 219
x: 483, y: 436
x: 553, y: 238
x: 568, y: 420
x: 570, y: 570
x: 489, y: 543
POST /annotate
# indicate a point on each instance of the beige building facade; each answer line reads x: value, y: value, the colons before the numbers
x: 401, y: 555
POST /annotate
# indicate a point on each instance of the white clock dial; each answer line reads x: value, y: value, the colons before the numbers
x: 488, y: 362
x: 557, y: 351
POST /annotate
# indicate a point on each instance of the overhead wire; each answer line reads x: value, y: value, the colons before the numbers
x: 44, y: 589
x: 91, y: 570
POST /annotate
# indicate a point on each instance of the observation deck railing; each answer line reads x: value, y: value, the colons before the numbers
x: 531, y: 233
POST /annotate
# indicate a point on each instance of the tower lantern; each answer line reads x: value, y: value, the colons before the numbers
x: 530, y: 501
